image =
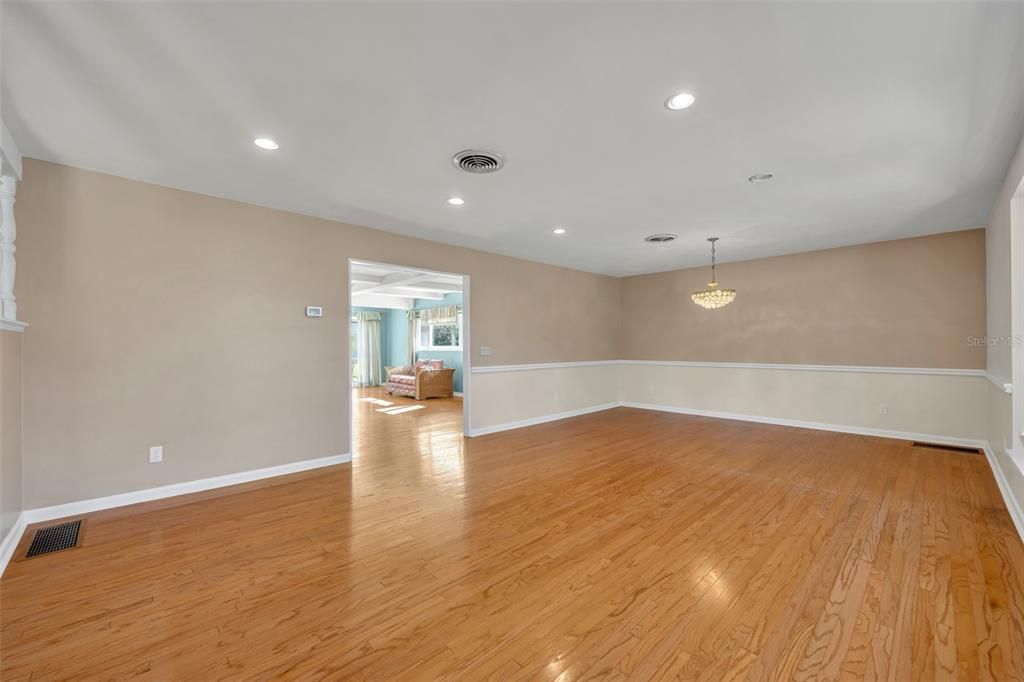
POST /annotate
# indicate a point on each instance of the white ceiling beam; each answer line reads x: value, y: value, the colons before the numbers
x: 419, y: 293
x: 450, y: 288
x: 428, y: 295
x: 361, y: 278
x: 381, y: 301
x: 393, y: 281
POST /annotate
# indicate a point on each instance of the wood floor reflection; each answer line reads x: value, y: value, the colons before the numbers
x: 619, y: 545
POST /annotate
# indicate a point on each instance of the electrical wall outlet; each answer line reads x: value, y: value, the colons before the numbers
x: 485, y: 350
x: 883, y: 409
x: 156, y: 454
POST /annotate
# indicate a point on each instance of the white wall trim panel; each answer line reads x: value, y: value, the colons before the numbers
x: 1016, y: 513
x: 533, y: 421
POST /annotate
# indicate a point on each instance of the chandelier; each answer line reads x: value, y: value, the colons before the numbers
x: 713, y: 297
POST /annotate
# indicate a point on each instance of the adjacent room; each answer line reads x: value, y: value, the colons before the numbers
x: 495, y: 340
x: 407, y: 360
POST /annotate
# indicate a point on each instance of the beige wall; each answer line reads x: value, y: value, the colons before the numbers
x: 10, y: 430
x: 904, y: 303
x: 162, y: 317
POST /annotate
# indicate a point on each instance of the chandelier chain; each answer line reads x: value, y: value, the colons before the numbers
x: 713, y: 260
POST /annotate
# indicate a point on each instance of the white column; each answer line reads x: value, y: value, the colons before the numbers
x: 8, y: 233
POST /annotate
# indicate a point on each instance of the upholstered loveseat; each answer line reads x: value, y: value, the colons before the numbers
x: 425, y: 379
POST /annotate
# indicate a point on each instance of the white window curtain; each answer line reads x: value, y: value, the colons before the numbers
x: 446, y: 314
x: 368, y: 348
x: 411, y: 336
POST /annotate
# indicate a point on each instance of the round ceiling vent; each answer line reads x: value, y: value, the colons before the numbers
x: 660, y: 238
x: 477, y: 161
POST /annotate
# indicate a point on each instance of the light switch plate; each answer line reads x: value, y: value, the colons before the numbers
x: 485, y: 350
x: 314, y: 311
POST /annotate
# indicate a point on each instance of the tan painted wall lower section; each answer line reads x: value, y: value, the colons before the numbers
x: 903, y: 303
x: 951, y: 406
x: 10, y: 430
x: 505, y: 398
x: 162, y: 317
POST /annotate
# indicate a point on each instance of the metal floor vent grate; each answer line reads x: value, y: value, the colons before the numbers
x: 954, y: 448
x: 55, y: 538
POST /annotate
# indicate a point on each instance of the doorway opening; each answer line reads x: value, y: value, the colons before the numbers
x: 409, y: 362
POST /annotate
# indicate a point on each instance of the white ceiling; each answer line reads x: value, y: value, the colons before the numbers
x: 387, y: 286
x: 880, y: 120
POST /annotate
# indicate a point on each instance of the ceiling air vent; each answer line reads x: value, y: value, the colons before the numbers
x: 660, y: 238
x: 476, y: 161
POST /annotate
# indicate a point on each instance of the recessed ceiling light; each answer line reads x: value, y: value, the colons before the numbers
x: 761, y: 177
x: 559, y: 230
x: 680, y: 101
x: 265, y: 143
x: 456, y: 201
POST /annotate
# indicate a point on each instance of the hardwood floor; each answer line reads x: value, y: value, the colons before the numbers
x: 620, y: 545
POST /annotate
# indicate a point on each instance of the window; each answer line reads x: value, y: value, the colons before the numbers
x: 439, y: 336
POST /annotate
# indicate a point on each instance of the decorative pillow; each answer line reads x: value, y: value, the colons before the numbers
x: 430, y: 364
x: 402, y: 369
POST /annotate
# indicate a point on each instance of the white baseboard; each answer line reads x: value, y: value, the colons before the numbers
x: 457, y: 394
x: 1016, y: 513
x: 135, y: 497
x: 533, y: 421
x: 819, y: 426
x: 11, y: 540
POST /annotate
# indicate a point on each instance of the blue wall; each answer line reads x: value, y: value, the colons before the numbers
x: 452, y: 358
x: 396, y: 322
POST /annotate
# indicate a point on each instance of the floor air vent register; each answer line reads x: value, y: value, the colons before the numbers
x: 55, y: 538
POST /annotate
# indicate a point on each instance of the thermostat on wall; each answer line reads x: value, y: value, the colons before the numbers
x: 314, y: 311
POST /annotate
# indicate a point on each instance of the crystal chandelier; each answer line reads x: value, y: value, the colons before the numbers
x: 713, y: 297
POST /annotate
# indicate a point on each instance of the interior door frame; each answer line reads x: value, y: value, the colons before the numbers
x: 1016, y: 449
x: 466, y: 341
